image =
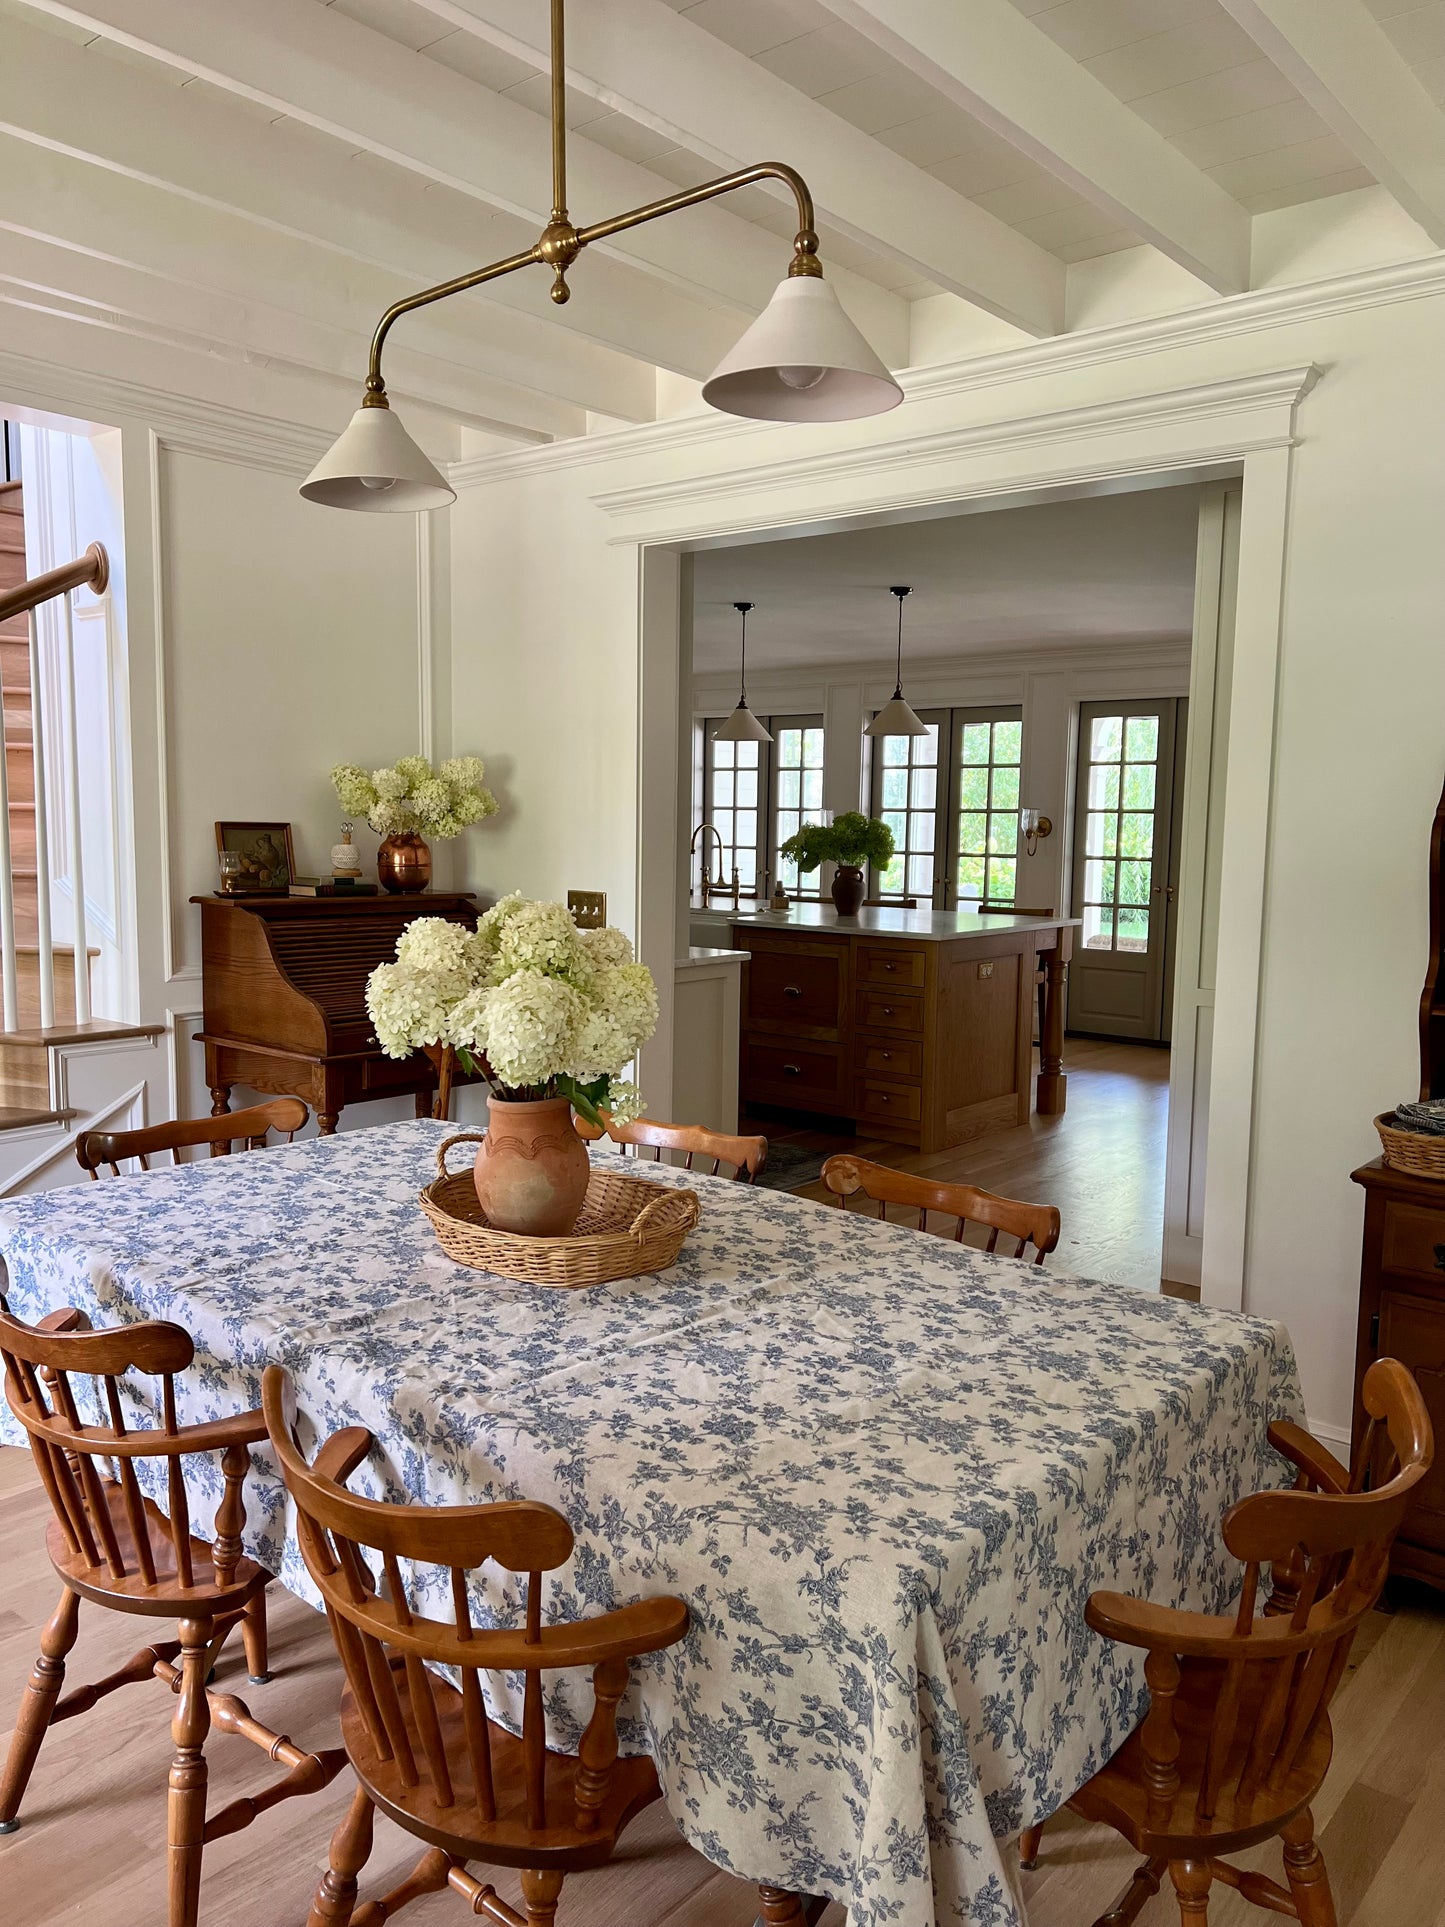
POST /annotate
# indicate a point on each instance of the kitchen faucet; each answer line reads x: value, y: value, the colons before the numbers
x: 721, y: 887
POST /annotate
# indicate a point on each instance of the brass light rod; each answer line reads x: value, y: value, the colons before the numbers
x: 560, y: 242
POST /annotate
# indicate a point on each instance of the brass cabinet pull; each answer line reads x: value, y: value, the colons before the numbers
x: 887, y: 1056
x: 888, y: 966
x: 888, y: 1010
x: 791, y: 990
x: 792, y: 1070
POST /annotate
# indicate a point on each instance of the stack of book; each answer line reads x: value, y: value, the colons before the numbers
x: 331, y: 887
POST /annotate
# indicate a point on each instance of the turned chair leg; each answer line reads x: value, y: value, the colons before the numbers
x: 781, y: 1908
x: 253, y: 1633
x: 540, y: 1891
x: 186, y: 1805
x: 1304, y: 1866
x: 1192, y: 1880
x: 1030, y: 1840
x: 38, y: 1705
x: 350, y: 1851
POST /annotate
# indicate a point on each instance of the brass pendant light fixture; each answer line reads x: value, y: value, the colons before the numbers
x: 896, y: 718
x: 802, y: 360
x: 742, y: 726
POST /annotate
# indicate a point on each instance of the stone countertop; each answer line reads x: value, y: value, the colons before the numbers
x: 929, y: 925
x: 699, y: 958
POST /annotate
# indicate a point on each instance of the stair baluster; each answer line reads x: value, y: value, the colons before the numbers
x: 77, y: 867
x: 42, y: 837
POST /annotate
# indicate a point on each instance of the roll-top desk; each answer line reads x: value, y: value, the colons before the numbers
x: 284, y: 992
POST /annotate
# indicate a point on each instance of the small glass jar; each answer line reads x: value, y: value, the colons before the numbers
x: 232, y: 882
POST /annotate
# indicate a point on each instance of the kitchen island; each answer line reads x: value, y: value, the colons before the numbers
x: 916, y: 1024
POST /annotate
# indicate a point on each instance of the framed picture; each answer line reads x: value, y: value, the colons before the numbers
x: 255, y: 856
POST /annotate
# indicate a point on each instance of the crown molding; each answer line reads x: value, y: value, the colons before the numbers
x: 179, y: 424
x: 1240, y: 314
x: 1234, y: 418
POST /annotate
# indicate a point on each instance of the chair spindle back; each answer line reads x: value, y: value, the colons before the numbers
x: 745, y: 1156
x: 1036, y: 1225
x: 114, y: 1148
x: 385, y: 1644
x: 40, y: 1361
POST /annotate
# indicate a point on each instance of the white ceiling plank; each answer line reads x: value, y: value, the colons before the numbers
x: 109, y: 243
x: 354, y: 84
x: 1345, y: 64
x: 289, y: 179
x: 718, y: 102
x: 994, y: 62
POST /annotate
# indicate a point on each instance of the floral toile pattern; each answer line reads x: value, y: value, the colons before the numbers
x: 885, y: 1472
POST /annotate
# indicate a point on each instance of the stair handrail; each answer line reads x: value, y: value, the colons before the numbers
x: 89, y: 571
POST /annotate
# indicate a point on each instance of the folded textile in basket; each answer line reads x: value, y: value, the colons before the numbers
x: 1428, y: 1117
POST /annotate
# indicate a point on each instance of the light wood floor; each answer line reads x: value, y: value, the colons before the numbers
x: 90, y: 1848
x: 1101, y: 1163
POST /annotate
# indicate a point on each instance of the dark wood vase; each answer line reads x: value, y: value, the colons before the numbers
x: 532, y: 1168
x: 847, y: 889
x: 403, y: 862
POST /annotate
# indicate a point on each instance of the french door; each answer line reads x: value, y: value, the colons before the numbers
x: 1126, y: 850
x: 951, y: 799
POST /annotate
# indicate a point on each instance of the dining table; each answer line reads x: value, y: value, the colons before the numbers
x: 885, y: 1471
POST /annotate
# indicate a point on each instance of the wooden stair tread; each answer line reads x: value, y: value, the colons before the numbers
x: 96, y: 1030
x: 15, y: 1117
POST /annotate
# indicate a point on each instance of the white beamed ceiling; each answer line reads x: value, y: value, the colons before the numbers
x: 394, y: 142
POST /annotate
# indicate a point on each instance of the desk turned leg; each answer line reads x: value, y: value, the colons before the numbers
x: 326, y: 1123
x: 220, y: 1099
x: 1053, y: 1084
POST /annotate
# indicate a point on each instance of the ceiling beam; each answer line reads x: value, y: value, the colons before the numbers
x: 700, y: 93
x: 992, y: 61
x: 315, y: 65
x: 600, y: 351
x: 1350, y: 71
x: 170, y: 269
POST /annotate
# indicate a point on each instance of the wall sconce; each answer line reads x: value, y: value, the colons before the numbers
x: 1034, y: 825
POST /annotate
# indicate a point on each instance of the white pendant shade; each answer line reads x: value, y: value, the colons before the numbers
x: 897, y: 719
x: 374, y: 465
x: 741, y: 727
x: 802, y: 360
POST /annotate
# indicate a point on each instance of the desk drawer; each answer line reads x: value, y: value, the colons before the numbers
x: 888, y: 966
x: 802, y: 988
x: 888, y: 1103
x: 897, y: 1060
x: 888, y: 1010
x: 801, y: 1075
x: 1413, y: 1245
x: 386, y: 1073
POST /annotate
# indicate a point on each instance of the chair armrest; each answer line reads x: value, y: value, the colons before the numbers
x: 342, y: 1453
x: 1305, y: 1451
x: 1139, y: 1622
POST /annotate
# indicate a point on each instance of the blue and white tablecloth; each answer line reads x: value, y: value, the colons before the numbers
x: 884, y: 1471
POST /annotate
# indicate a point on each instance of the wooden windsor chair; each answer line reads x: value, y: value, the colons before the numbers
x: 112, y: 1148
x: 113, y: 1546
x: 1035, y: 1225
x: 425, y: 1752
x: 746, y: 1155
x: 1237, y: 1741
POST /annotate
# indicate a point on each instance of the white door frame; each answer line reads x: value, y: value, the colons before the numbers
x: 1199, y: 433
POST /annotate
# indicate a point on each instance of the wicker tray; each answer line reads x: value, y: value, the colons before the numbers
x: 628, y: 1226
x: 1417, y: 1152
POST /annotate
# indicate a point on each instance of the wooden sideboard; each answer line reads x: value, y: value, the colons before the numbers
x: 284, y: 990
x: 1402, y: 1315
x: 922, y: 1039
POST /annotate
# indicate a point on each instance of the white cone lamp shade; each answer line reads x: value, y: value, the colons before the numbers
x: 375, y: 466
x: 802, y: 360
x: 742, y: 727
x: 896, y: 718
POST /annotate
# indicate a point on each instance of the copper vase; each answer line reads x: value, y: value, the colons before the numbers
x: 532, y: 1168
x: 403, y: 862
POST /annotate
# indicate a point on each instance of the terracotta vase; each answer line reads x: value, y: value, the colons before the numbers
x: 403, y: 862
x: 532, y: 1168
x: 847, y: 889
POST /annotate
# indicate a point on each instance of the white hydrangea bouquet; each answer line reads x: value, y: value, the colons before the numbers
x: 412, y: 796
x: 538, y: 1007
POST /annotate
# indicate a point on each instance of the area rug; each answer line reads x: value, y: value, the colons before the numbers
x: 790, y: 1167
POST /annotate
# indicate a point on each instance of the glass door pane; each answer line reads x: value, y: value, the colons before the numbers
x: 731, y: 803
x: 989, y: 754
x: 797, y: 792
x: 905, y: 795
x: 1120, y: 831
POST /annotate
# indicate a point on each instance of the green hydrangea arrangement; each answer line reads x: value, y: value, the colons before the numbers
x: 411, y: 795
x: 851, y: 838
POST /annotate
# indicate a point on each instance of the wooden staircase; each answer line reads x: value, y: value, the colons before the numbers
x: 24, y: 1054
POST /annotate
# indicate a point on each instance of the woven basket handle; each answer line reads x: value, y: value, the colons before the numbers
x: 457, y: 1137
x: 639, y: 1223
